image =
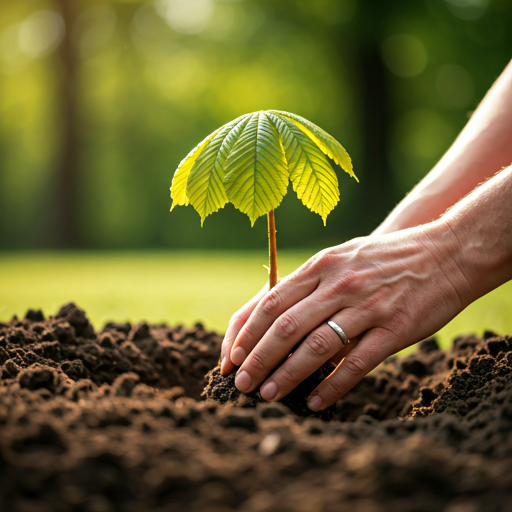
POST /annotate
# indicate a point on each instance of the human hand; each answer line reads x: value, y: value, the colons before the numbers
x: 386, y: 292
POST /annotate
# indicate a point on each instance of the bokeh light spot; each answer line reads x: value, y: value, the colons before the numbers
x: 404, y: 55
x: 468, y: 10
x: 41, y: 33
x: 186, y: 16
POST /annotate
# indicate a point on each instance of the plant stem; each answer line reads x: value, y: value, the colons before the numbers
x: 272, y: 250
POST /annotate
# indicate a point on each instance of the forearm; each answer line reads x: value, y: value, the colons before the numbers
x: 478, y: 231
x: 482, y: 148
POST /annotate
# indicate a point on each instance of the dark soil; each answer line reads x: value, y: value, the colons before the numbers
x: 115, y: 421
x: 222, y: 389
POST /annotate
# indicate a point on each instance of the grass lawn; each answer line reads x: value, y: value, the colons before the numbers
x: 176, y: 287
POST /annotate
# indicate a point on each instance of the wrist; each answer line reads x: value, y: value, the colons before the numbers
x: 481, y: 226
x: 448, y: 251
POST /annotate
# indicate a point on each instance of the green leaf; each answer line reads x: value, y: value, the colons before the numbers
x: 311, y: 174
x: 179, y: 182
x: 250, y: 160
x: 205, y: 187
x: 327, y: 143
x: 256, y: 174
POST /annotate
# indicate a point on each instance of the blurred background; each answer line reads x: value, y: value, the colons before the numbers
x: 100, y: 100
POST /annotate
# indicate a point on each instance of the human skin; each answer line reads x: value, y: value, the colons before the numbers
x: 483, y: 147
x: 396, y: 287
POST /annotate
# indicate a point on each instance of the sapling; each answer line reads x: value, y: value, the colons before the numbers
x: 249, y: 161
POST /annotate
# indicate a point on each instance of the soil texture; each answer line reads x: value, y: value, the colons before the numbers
x: 116, y: 421
x: 221, y: 388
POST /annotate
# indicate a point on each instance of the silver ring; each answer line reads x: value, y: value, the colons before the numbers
x: 339, y: 331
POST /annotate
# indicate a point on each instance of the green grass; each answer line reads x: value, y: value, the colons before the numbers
x: 176, y: 287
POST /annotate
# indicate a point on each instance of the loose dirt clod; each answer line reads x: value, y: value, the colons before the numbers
x: 114, y: 421
x: 222, y: 389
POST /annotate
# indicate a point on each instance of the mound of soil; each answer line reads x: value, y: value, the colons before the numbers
x: 221, y: 388
x: 114, y: 421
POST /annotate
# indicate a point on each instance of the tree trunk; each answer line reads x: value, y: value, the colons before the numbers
x: 361, y: 46
x: 377, y: 126
x: 67, y: 201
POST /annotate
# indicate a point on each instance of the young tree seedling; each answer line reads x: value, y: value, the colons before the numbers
x: 249, y: 161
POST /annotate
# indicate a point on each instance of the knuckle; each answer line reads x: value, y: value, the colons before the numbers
x: 319, y: 343
x: 286, y: 375
x: 354, y: 364
x: 376, y: 303
x: 324, y: 259
x: 246, y: 333
x: 316, y: 263
x: 331, y: 389
x: 309, y: 266
x: 397, y: 322
x: 257, y: 361
x: 271, y: 302
x: 243, y: 340
x: 286, y: 326
x: 348, y: 281
x: 392, y: 316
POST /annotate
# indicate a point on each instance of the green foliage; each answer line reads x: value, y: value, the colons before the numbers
x: 147, y: 75
x: 250, y: 160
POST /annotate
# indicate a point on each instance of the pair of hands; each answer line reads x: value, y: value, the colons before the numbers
x: 386, y: 292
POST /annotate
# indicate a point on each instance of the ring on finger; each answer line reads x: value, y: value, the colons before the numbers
x: 339, y: 331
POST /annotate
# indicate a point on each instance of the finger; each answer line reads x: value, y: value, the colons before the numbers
x: 235, y: 324
x: 318, y: 347
x: 352, y: 320
x: 374, y: 347
x: 336, y: 358
x: 282, y: 297
x: 291, y: 327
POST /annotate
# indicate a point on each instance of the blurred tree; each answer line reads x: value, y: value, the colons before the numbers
x: 377, y: 113
x: 66, y: 211
x: 95, y: 118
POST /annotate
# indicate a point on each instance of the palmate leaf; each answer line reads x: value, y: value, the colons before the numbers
x: 327, y: 143
x: 205, y: 186
x: 179, y: 182
x: 249, y: 161
x: 311, y: 174
x: 257, y: 171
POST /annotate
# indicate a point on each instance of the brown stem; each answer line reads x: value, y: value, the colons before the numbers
x: 272, y: 250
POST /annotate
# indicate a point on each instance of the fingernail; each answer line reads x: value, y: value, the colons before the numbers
x: 223, y: 365
x: 269, y: 390
x: 238, y: 356
x: 314, y: 403
x: 243, y: 382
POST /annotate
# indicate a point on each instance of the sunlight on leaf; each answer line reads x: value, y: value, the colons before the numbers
x: 311, y: 174
x: 327, y: 143
x: 257, y: 172
x: 179, y: 182
x: 205, y: 187
x: 249, y: 161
